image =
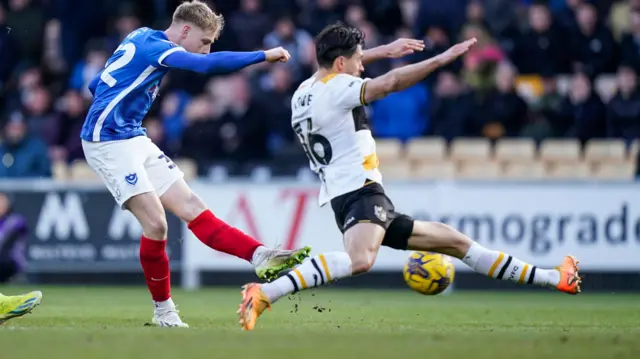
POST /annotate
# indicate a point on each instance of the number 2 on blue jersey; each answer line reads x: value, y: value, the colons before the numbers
x: 129, y: 51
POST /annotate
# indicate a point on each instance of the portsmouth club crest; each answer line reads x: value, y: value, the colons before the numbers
x: 131, y: 179
x: 380, y: 213
x: 153, y: 90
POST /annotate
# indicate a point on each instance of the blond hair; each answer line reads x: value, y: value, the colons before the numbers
x: 199, y: 14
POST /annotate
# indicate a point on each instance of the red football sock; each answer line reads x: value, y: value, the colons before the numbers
x: 155, y: 264
x: 220, y: 236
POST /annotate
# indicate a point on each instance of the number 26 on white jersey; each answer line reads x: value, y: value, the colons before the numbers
x: 316, y: 147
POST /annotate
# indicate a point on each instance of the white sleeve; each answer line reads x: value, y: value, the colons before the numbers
x: 348, y: 90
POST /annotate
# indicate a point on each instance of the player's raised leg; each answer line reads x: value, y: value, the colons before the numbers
x: 362, y: 242
x: 18, y: 305
x: 218, y: 235
x: 146, y: 207
x: 439, y: 237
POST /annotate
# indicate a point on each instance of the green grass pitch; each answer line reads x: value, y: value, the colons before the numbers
x: 105, y: 322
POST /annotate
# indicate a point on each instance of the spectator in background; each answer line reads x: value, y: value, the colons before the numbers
x: 452, y: 110
x: 592, y: 47
x: 449, y: 15
x: 13, y: 241
x: 88, y: 68
x: 72, y: 25
x: 540, y: 49
x: 249, y: 25
x: 324, y: 12
x: 630, y: 44
x: 502, y: 19
x: 623, y: 112
x: 39, y: 115
x: 71, y: 114
x: 297, y: 42
x: 403, y: 115
x: 53, y: 60
x: 545, y: 110
x: 28, y: 21
x: 582, y: 114
x: 385, y: 15
x: 437, y: 41
x: 277, y: 88
x: 373, y: 39
x: 619, y: 18
x: 242, y: 131
x: 356, y: 15
x: 155, y: 132
x: 22, y: 154
x: 9, y: 54
x: 200, y: 130
x: 475, y: 14
x: 504, y: 113
x: 126, y: 23
x: 567, y: 15
x: 172, y: 117
x: 481, y: 60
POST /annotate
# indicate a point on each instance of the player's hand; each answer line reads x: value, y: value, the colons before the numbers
x: 404, y: 47
x: 277, y: 54
x: 456, y: 51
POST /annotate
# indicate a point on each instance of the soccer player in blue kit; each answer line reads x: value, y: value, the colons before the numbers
x: 141, y: 178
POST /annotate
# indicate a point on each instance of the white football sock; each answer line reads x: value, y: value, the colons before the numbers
x: 317, y: 271
x: 502, y: 266
x: 259, y: 252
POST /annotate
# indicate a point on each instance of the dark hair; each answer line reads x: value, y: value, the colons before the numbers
x: 337, y: 40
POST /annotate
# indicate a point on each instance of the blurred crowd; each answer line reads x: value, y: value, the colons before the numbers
x: 51, y: 49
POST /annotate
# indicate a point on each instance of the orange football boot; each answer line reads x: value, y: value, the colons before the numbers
x: 569, y: 279
x: 254, y: 302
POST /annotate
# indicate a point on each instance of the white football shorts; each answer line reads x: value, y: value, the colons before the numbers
x: 131, y: 167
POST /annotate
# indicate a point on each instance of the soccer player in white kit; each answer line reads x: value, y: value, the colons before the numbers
x: 328, y: 117
x: 140, y: 177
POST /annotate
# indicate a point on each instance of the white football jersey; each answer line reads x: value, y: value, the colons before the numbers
x: 329, y: 118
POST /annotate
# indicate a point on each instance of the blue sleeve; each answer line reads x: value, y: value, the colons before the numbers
x: 217, y: 62
x: 155, y: 47
x: 94, y: 83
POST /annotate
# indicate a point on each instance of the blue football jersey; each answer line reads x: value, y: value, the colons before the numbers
x: 127, y: 86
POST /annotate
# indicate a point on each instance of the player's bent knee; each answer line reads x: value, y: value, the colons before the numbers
x: 155, y: 228
x: 361, y: 264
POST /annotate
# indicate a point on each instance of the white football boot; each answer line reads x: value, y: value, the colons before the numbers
x: 168, y: 317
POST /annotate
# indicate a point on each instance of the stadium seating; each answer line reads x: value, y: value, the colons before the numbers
x: 470, y: 149
x: 434, y: 170
x: 432, y: 149
x: 475, y: 159
x: 515, y: 150
x: 600, y: 151
x: 389, y: 150
x: 556, y: 152
x: 80, y: 171
x: 533, y: 170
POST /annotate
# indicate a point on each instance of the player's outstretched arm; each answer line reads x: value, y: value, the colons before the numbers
x: 399, y: 48
x: 407, y: 76
x: 223, y: 61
